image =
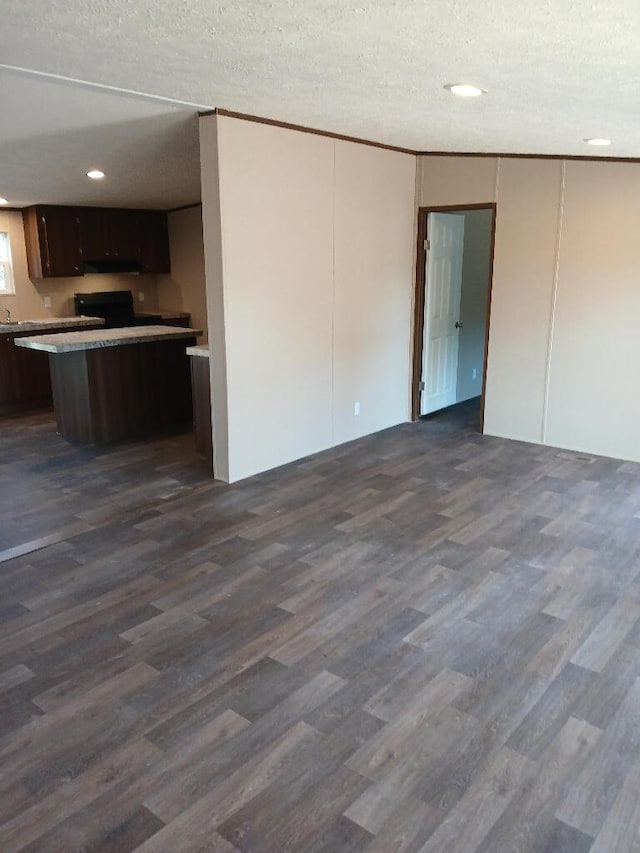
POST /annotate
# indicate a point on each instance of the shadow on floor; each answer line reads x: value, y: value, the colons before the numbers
x: 465, y: 415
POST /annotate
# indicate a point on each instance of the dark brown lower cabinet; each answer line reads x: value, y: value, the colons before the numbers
x: 201, y: 388
x: 25, y: 381
x: 183, y: 321
x: 24, y: 378
x: 116, y: 393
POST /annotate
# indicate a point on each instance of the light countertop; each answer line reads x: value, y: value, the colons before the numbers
x: 74, y: 341
x: 202, y: 350
x: 48, y: 323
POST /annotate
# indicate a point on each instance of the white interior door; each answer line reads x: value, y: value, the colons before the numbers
x: 443, y: 282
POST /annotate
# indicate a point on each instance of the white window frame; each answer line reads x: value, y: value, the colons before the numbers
x: 9, y: 288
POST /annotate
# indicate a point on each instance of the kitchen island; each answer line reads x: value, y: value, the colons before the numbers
x: 116, y: 384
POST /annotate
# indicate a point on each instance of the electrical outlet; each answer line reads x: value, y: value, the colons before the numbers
x: 474, y: 373
x: 141, y: 296
x: 47, y: 302
x: 356, y: 408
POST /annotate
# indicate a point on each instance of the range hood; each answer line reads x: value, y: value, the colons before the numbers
x: 111, y: 265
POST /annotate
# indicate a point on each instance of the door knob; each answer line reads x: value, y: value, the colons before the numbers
x: 459, y: 325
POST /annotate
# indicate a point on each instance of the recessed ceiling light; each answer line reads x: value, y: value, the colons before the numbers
x: 465, y: 90
x: 3, y: 201
x: 95, y: 174
x: 597, y: 140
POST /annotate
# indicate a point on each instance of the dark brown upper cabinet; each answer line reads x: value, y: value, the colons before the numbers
x: 153, y: 234
x: 123, y: 234
x: 109, y: 234
x: 60, y: 240
x: 53, y: 240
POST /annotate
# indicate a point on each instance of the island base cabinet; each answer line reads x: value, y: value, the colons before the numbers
x: 116, y: 393
x: 201, y: 389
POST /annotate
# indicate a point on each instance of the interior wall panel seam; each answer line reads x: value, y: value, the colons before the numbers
x: 554, y: 300
x: 332, y: 390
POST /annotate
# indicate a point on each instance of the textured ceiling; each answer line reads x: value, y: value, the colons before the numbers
x: 555, y: 71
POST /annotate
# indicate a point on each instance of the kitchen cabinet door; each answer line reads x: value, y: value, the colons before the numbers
x: 25, y: 381
x: 109, y: 234
x: 63, y: 241
x: 94, y: 222
x: 53, y: 241
x: 9, y: 391
x: 123, y: 234
x: 34, y: 379
x: 153, y: 234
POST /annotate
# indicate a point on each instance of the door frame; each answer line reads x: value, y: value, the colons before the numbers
x: 420, y: 294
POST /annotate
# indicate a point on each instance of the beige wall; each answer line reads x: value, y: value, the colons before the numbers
x: 28, y: 301
x: 184, y: 288
x: 276, y: 190
x: 456, y: 180
x: 308, y: 253
x: 524, y: 266
x: 373, y: 260
x: 593, y: 404
x: 563, y: 348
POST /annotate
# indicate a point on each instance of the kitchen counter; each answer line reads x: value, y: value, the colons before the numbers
x: 101, y: 338
x: 22, y: 326
x: 201, y: 350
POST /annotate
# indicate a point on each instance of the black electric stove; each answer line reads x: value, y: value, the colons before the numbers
x: 115, y: 307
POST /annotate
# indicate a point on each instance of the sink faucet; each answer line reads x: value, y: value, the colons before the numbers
x: 8, y: 315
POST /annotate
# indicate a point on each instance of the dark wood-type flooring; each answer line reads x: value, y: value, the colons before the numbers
x: 426, y: 640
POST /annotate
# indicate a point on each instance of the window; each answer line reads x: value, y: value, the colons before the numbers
x: 6, y: 272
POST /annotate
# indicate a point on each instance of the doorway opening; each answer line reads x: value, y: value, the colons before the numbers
x: 452, y: 308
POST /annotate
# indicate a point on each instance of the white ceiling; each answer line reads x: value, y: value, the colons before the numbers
x: 555, y: 71
x: 52, y: 133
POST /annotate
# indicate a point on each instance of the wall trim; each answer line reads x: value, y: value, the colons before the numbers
x: 302, y: 129
x: 516, y: 156
x: 591, y: 158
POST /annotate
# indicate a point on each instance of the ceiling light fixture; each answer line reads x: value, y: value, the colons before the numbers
x: 3, y: 201
x: 465, y: 90
x: 95, y: 174
x: 598, y: 140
